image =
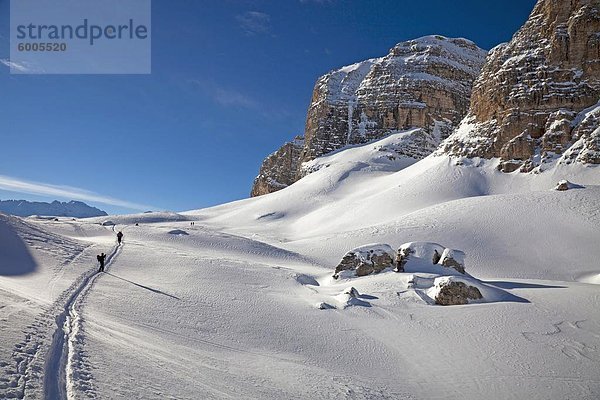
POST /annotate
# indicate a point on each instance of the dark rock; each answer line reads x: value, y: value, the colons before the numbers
x: 436, y: 257
x: 402, y: 258
x: 456, y: 293
x: 563, y: 185
x: 366, y: 260
x: 453, y: 259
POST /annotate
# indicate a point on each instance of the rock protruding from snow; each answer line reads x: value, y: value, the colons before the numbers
x: 24, y: 208
x: 525, y: 102
x: 453, y: 259
x: 429, y: 257
x: 365, y: 260
x: 563, y: 185
x: 423, y: 83
x: 350, y: 297
x: 324, y: 306
x: 411, y: 257
x: 449, y: 291
x: 351, y: 291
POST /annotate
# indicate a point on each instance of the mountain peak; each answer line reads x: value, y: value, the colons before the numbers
x: 422, y: 83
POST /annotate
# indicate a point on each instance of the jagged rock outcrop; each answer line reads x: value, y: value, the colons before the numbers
x: 279, y: 169
x: 525, y: 104
x: 366, y: 260
x: 423, y: 83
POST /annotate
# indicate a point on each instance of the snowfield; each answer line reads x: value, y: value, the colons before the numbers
x: 243, y: 303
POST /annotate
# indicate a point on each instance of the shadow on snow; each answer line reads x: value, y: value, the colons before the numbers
x: 144, y: 287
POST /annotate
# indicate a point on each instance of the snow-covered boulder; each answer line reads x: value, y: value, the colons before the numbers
x: 108, y: 223
x: 366, y: 260
x: 450, y: 291
x: 563, y: 185
x: 429, y: 257
x: 453, y: 259
x: 324, y: 306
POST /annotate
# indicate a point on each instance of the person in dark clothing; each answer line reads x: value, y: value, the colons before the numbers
x: 101, y: 259
x: 119, y: 237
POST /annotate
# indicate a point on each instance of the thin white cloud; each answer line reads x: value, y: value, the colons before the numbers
x: 14, y: 65
x: 66, y: 192
x: 254, y: 22
x: 226, y: 97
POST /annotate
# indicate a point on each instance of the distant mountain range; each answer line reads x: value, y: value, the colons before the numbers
x: 24, y: 208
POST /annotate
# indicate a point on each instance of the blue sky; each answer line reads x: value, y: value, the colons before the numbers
x: 231, y: 81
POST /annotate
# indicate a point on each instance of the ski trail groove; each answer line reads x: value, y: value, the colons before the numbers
x: 58, y: 376
x: 25, y: 374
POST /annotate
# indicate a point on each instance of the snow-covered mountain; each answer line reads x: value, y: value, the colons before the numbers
x: 24, y: 208
x: 422, y: 83
x: 536, y: 99
x: 241, y: 301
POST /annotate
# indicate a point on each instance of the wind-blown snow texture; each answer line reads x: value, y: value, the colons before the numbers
x: 243, y: 304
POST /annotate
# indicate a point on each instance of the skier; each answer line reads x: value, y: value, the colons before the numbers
x: 119, y: 237
x: 101, y: 259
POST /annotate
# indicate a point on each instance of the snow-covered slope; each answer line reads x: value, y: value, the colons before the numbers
x: 366, y: 185
x: 239, y: 300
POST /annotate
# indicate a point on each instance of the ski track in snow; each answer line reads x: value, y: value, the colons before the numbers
x: 60, y: 375
x: 28, y: 357
x: 56, y: 365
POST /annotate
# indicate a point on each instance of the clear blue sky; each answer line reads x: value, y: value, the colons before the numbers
x: 231, y: 81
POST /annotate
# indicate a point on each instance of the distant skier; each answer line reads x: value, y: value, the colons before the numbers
x: 119, y: 237
x: 101, y: 259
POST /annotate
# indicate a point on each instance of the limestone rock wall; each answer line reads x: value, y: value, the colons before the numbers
x: 525, y: 102
x: 423, y: 83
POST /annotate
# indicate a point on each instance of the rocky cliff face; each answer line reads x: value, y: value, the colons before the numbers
x: 424, y: 83
x: 528, y: 106
x: 279, y: 169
